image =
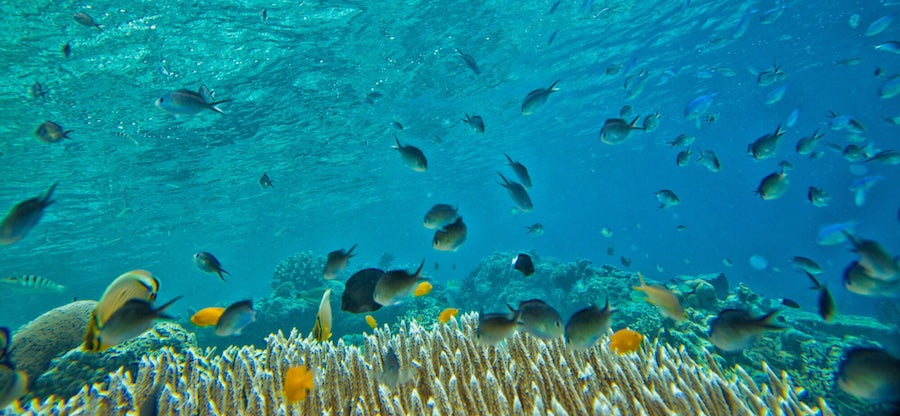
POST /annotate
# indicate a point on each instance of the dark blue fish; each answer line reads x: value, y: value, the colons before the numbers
x: 553, y: 7
x: 469, y: 60
x: 552, y: 36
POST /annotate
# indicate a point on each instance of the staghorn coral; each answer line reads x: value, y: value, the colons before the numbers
x: 453, y: 375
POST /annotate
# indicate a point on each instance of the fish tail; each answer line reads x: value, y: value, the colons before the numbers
x: 643, y: 285
x: 553, y: 87
x: 45, y: 199
x: 398, y: 146
x: 158, y: 310
x: 220, y: 271
x: 214, y: 106
x: 419, y: 270
x: 350, y: 252
x: 816, y: 284
x: 766, y: 321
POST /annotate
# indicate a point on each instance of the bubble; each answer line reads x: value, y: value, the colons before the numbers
x: 758, y: 262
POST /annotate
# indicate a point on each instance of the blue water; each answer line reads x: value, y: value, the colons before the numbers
x: 140, y: 188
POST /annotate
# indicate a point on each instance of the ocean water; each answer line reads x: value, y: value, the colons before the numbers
x: 142, y: 188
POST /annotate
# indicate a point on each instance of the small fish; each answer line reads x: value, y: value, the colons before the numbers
x: 699, y: 106
x: 858, y: 281
x: 741, y: 27
x: 853, y: 21
x: 373, y: 96
x: 587, y: 326
x: 136, y: 284
x: 50, y: 132
x: 606, y: 232
x: 667, y: 198
x: 887, y: 157
x: 5, y: 343
x: 683, y: 157
x: 322, y: 329
x: 764, y: 147
x: 806, y: 264
x: 891, y: 46
x: 776, y: 95
x: 391, y: 373
x: 539, y: 319
x: 446, y: 314
x: 207, y: 316
x: 475, y: 122
x: 790, y: 304
x: 709, y: 159
x: 298, y: 381
x: 359, y: 290
x: 371, y: 321
x: 773, y: 186
x: 85, y: 20
x: 412, y: 157
x: 209, y: 263
x: 66, y: 50
x: 536, y: 229
x: 852, y: 61
x: 807, y: 145
x: 451, y: 237
x: 24, y: 216
x: 34, y: 283
x: 17, y: 387
x: 681, y: 227
x: 727, y: 262
x: 682, y: 140
x: 470, y: 61
x: 770, y: 76
x: 625, y: 111
x: 826, y: 302
x: 553, y: 7
x: 771, y: 15
x: 733, y: 330
x: 611, y: 249
x: 235, y: 318
x: 265, y: 182
x: 186, y: 102
x: 552, y: 37
x: 874, y: 258
x: 130, y: 320
x: 862, y: 185
x: 395, y: 285
x: 396, y: 124
x: 495, y: 327
x: 625, y: 341
x: 651, y: 122
x: 37, y: 90
x: 842, y: 122
x: 818, y: 197
x: 625, y: 261
x: 264, y: 15
x: 880, y: 25
x: 337, y: 262
x: 422, y: 289
x: 524, y: 264
x: 440, y: 216
x: 833, y: 234
x: 617, y: 130
x: 537, y: 98
x: 520, y: 170
x: 870, y: 374
x: 663, y: 298
x: 893, y: 120
x: 518, y: 194
x: 891, y: 88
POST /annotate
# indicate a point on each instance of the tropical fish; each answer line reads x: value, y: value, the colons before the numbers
x: 764, y: 147
x: 888, y: 157
x: 626, y: 262
x: 520, y: 171
x: 186, y: 102
x: 235, y: 318
x: 495, y: 327
x: 33, y: 283
x: 683, y: 157
x: 807, y: 265
x: 439, y: 216
x: 651, y: 122
x: 682, y: 140
x: 129, y: 321
x: 66, y: 50
x: 37, y: 90
x: 709, y: 159
x: 537, y: 98
x: 586, y: 326
x: 524, y: 264
x: 617, y: 130
x: 863, y: 185
x: 891, y: 88
x: 870, y: 374
x: 880, y: 24
x: 625, y: 341
x: 469, y: 60
x: 395, y: 285
x: 776, y: 95
x: 298, y: 382
x: 773, y: 186
x: 733, y: 329
x: 667, y: 198
x: 611, y: 249
x: 536, y: 229
x: 5, y: 343
x: 209, y: 263
x: 832, y: 234
x: 626, y: 111
x: 50, y: 132
x: 475, y: 122
x: 790, y: 303
x: 422, y: 289
x: 412, y: 157
x: 451, y: 237
x: 539, y: 319
x: 322, y: 329
x: 337, y: 262
x: 358, y: 296
x: 396, y: 124
x: 136, y: 284
x: 518, y: 194
x: 856, y: 280
x: 769, y: 16
x: 663, y: 298
x: 875, y: 259
x: 890, y: 46
x: 17, y: 387
x: 446, y: 314
x: 207, y: 316
x: 265, y: 182
x: 373, y: 96
x: 770, y: 76
x: 391, y: 373
x: 844, y: 122
x: 371, y: 321
x: 792, y: 118
x: 86, y: 20
x: 699, y: 106
x: 826, y: 302
x: 807, y: 145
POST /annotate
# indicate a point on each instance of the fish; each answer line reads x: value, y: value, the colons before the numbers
x: 683, y: 157
x: 358, y: 296
x: 790, y: 303
x: 776, y: 95
x: 37, y: 90
x: 792, y: 118
x: 210, y: 264
x: 524, y: 264
x: 874, y: 258
x: 863, y: 185
x: 851, y: 61
x: 733, y: 330
x: 662, y: 298
x: 856, y: 280
x: 539, y: 319
x: 495, y: 327
x: 890, y: 46
x: 373, y: 96
x: 586, y: 326
x: 807, y: 145
x: 826, y: 302
x: 856, y: 153
x: 626, y: 262
x: 207, y: 316
x: 17, y: 387
x: 870, y: 374
x: 651, y: 122
x: 322, y: 329
x: 806, y: 264
x: 617, y: 130
x: 887, y: 157
x: 537, y: 98
x: 396, y: 124
x: 5, y: 343
x: 130, y: 320
x: 298, y: 382
x: 770, y: 76
x: 412, y: 157
x: 371, y: 321
x: 395, y: 285
x: 771, y: 15
x: 475, y: 122
x: 667, y: 198
x: 626, y: 111
x: 553, y: 7
x: 136, y: 284
x: 727, y: 262
x: 265, y: 182
x: 50, y: 132
x: 625, y: 341
x: 66, y: 50
x: 85, y: 20
x: 31, y: 282
x: 518, y: 194
x: 392, y: 375
x: 440, y: 216
x: 891, y: 88
x: 880, y: 24
x: 765, y: 146
x: 337, y: 262
x: 520, y: 170
x: 536, y: 229
x: 832, y: 234
x: 682, y: 140
x: 470, y: 61
x: 451, y: 237
x: 699, y: 106
x: 853, y: 21
x: 422, y: 289
x: 606, y: 232
x: 264, y: 15
x: 773, y: 186
x: 741, y: 27
x: 235, y: 318
x: 187, y: 102
x: 611, y: 249
x: 709, y: 159
x: 844, y: 122
x: 446, y: 314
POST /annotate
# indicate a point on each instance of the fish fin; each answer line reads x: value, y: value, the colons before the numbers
x: 164, y: 306
x: 419, y: 270
x: 553, y: 86
x: 350, y: 252
x: 92, y: 333
x: 766, y: 321
x: 214, y: 106
x: 220, y: 271
x: 45, y: 199
x: 816, y: 284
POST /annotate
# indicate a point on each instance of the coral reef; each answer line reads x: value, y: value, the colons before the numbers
x: 302, y: 270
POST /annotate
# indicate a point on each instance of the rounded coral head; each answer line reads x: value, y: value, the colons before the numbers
x: 625, y: 340
x: 298, y: 381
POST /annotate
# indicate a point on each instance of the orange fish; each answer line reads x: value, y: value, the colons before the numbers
x: 446, y: 314
x: 371, y: 321
x: 663, y: 298
x: 625, y: 341
x: 298, y: 381
x: 422, y: 289
x: 207, y: 316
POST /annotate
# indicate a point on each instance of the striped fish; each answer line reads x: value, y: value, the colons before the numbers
x: 32, y: 282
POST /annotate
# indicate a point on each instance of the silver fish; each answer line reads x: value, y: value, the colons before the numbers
x: 412, y: 157
x: 537, y: 98
x: 34, y: 283
x: 520, y: 170
x: 235, y: 318
x: 518, y: 194
x: 185, y: 102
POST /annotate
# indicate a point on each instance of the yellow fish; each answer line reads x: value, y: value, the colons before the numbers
x: 207, y: 316
x: 625, y: 341
x: 422, y: 289
x: 136, y: 284
x: 298, y: 381
x: 322, y: 330
x: 371, y: 321
x: 663, y: 298
x: 446, y: 314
